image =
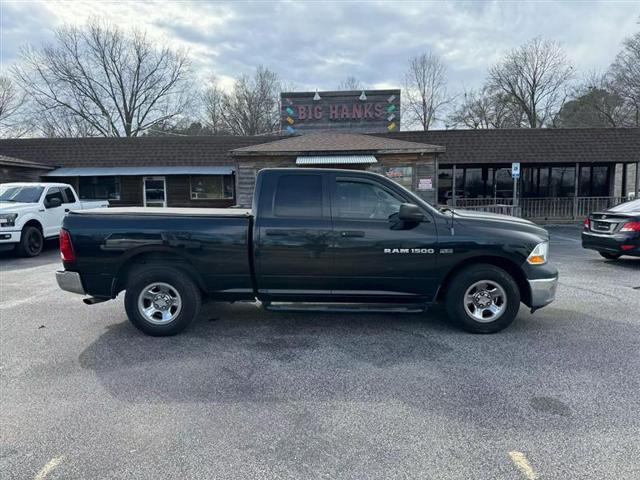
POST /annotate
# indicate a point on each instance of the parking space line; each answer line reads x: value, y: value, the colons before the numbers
x: 48, y: 468
x: 523, y: 464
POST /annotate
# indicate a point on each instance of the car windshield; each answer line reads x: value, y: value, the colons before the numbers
x: 20, y: 193
x: 632, y: 206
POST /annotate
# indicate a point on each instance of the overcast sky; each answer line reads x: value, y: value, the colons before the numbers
x: 317, y: 44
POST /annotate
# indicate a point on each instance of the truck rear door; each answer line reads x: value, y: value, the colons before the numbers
x: 375, y: 254
x: 293, y: 236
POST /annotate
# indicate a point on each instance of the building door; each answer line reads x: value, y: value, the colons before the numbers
x: 154, y: 192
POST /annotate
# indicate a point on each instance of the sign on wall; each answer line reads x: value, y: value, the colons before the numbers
x: 356, y: 111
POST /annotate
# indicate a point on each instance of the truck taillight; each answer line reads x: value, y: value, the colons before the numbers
x: 66, y: 247
x: 631, y: 227
x: 586, y: 223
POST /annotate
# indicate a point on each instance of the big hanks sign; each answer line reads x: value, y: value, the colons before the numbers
x: 359, y: 111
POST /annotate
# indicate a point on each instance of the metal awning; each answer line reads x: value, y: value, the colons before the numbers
x: 125, y: 171
x: 336, y: 160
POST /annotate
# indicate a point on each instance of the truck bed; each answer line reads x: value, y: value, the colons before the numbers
x: 214, y: 243
x: 171, y: 211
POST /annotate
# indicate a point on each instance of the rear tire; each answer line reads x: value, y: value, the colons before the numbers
x: 31, y: 242
x: 482, y: 299
x: 161, y: 301
x: 610, y: 256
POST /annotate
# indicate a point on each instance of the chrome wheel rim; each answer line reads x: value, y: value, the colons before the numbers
x: 159, y: 303
x: 485, y: 301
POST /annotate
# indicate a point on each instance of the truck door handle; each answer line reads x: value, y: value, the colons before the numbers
x: 352, y: 233
x: 275, y: 233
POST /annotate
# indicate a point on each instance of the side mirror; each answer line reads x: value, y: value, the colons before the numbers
x: 52, y: 203
x: 410, y: 213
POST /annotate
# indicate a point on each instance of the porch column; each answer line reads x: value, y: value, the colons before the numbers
x: 637, y: 180
x: 576, y: 184
x: 453, y: 186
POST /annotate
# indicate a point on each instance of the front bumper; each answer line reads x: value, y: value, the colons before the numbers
x: 9, y: 237
x: 543, y: 291
x: 70, y: 282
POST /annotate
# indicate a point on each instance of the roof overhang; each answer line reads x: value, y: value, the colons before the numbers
x: 335, y: 159
x: 129, y: 171
x: 296, y: 153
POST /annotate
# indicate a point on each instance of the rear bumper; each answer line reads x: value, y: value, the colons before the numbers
x: 612, y: 243
x: 70, y: 282
x: 543, y: 291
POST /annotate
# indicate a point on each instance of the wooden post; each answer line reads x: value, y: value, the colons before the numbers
x: 453, y: 186
x: 576, y: 185
x: 637, y: 179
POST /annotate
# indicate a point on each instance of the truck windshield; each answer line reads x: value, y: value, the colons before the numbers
x: 20, y: 193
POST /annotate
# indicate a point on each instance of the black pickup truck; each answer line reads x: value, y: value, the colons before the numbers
x: 314, y: 238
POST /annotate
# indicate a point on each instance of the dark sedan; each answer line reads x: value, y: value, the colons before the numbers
x: 614, y: 232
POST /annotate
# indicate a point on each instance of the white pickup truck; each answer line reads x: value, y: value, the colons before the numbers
x: 32, y: 212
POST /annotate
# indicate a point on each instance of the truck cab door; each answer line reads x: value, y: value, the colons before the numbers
x: 52, y: 216
x: 378, y: 257
x: 70, y: 200
x: 292, y: 237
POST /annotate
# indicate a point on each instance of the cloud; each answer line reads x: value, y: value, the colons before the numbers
x: 317, y: 44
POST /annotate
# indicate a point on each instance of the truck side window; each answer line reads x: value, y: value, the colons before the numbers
x: 298, y: 196
x: 360, y: 200
x: 54, y: 192
x: 70, y: 197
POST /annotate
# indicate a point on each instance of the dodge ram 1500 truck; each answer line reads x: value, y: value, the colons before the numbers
x: 314, y: 238
x: 32, y: 212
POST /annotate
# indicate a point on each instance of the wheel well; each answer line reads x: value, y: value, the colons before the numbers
x: 33, y: 223
x: 165, y: 259
x: 509, y: 266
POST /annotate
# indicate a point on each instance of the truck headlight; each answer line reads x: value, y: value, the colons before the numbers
x: 539, y: 254
x: 8, y: 219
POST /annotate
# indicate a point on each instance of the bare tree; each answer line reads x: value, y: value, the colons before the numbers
x: 350, y: 83
x: 105, y: 82
x: 212, y: 103
x: 485, y: 109
x: 624, y: 76
x: 425, y: 89
x: 12, y: 109
x: 251, y: 108
x: 594, y: 104
x: 534, y: 77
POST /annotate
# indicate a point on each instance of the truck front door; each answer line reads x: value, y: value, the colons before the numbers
x: 293, y: 236
x: 375, y: 254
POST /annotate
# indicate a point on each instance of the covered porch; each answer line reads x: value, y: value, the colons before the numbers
x: 545, y: 192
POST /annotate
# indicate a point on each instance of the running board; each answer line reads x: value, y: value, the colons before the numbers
x: 344, y: 307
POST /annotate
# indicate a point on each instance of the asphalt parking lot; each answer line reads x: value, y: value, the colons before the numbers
x: 251, y: 394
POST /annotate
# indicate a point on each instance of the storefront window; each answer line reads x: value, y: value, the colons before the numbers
x: 445, y: 185
x: 211, y: 187
x: 562, y: 182
x: 594, y: 181
x: 99, y: 188
x: 473, y: 184
x: 401, y: 175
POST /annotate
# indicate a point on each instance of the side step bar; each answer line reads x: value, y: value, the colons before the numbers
x: 344, y: 307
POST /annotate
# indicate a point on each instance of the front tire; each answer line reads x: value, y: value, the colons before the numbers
x: 161, y: 301
x: 483, y: 299
x: 31, y: 242
x: 609, y: 256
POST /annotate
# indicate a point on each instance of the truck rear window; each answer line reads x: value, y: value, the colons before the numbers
x: 298, y: 196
